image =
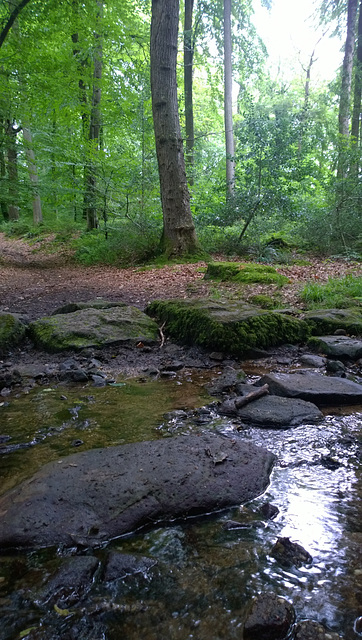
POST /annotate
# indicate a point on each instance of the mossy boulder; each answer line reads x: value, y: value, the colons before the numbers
x: 244, y: 272
x: 93, y: 328
x: 231, y: 327
x: 12, y: 331
x: 69, y: 307
x: 324, y: 321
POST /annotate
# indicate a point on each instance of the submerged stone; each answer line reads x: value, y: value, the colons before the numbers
x: 270, y: 617
x: 95, y: 496
x: 93, y: 327
x: 313, y: 387
x: 232, y: 327
x: 311, y: 630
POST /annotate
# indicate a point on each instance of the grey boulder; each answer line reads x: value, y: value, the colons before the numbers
x: 94, y: 496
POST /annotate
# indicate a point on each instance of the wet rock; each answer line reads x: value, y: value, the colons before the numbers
x: 330, y: 462
x: 98, y: 381
x: 72, y: 581
x: 313, y: 387
x: 341, y: 347
x: 225, y: 382
x: 289, y: 553
x: 269, y: 511
x: 310, y: 630
x: 357, y: 627
x: 70, y: 307
x: 176, y: 365
x: 93, y: 327
x: 336, y: 368
x: 277, y: 412
x: 270, y: 618
x: 311, y: 360
x: 121, y: 565
x: 120, y: 489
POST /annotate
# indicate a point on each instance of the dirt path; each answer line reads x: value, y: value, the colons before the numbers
x: 34, y: 282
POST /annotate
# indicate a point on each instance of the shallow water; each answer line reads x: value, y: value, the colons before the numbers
x: 205, y: 575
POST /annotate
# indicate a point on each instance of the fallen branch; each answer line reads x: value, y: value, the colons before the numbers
x: 162, y: 335
x: 250, y: 397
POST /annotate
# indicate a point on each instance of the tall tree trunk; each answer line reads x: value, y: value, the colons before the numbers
x: 345, y: 97
x: 228, y: 101
x: 179, y: 236
x: 12, y: 156
x: 357, y: 96
x: 33, y: 174
x: 94, y: 129
x: 188, y: 73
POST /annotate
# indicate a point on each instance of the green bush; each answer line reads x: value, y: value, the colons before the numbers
x: 124, y: 247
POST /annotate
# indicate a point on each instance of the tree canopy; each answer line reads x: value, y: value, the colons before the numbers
x: 77, y: 137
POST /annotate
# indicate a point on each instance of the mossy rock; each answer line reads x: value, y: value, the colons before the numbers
x: 244, y: 272
x: 263, y: 301
x: 324, y: 321
x: 12, y: 331
x: 93, y: 328
x: 70, y: 307
x: 231, y: 327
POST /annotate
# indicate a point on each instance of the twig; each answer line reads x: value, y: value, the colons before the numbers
x: 253, y: 395
x: 162, y: 334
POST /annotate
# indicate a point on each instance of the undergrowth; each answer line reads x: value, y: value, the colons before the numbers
x: 336, y: 293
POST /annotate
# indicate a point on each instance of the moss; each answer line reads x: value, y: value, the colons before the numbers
x: 12, y: 331
x: 234, y: 328
x: 264, y: 301
x: 244, y: 273
x: 324, y: 321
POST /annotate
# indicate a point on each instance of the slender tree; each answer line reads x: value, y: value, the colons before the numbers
x: 188, y: 88
x: 228, y: 101
x: 179, y: 236
x: 345, y: 96
x: 357, y: 96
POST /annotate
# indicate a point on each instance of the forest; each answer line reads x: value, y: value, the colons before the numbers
x: 135, y: 129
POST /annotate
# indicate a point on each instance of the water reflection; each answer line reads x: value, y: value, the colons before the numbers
x: 206, y: 574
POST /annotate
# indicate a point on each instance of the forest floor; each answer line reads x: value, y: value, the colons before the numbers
x: 35, y: 281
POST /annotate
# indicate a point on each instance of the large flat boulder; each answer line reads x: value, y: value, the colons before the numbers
x: 313, y: 387
x: 95, y: 496
x: 93, y: 327
x: 233, y: 327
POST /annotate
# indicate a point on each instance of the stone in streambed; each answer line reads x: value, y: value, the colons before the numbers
x: 275, y: 412
x: 319, y: 389
x: 270, y: 618
x: 98, y: 495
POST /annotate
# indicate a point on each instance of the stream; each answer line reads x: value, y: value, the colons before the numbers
x: 205, y: 573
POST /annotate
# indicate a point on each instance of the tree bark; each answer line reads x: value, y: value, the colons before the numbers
x: 33, y: 174
x: 356, y: 115
x: 13, y: 15
x: 179, y: 236
x: 228, y: 101
x: 188, y: 88
x: 12, y: 157
x: 94, y: 130
x: 345, y: 97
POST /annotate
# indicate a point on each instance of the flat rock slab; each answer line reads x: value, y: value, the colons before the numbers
x: 324, y: 321
x: 233, y: 327
x: 319, y: 389
x: 98, y: 495
x: 279, y: 413
x: 93, y: 327
x: 340, y: 347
